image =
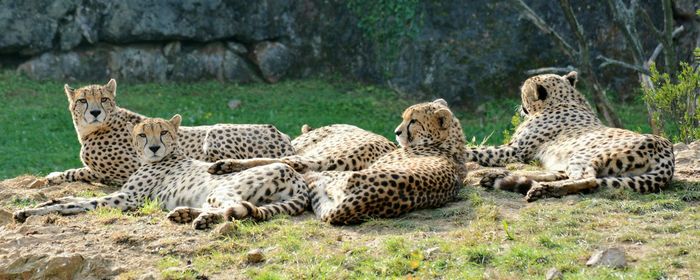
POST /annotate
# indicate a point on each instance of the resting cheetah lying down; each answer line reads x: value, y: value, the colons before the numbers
x: 580, y: 153
x: 108, y: 158
x: 335, y: 147
x: 184, y: 186
x: 427, y: 171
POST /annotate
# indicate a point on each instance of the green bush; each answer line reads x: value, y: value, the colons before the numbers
x: 676, y: 100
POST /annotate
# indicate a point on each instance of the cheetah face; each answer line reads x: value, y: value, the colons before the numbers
x: 91, y: 106
x: 424, y: 124
x: 155, y: 138
x: 542, y: 91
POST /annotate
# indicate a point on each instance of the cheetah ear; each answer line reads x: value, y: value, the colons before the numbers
x: 175, y: 121
x: 441, y: 102
x: 541, y: 93
x: 111, y: 87
x: 444, y: 118
x: 70, y: 92
x: 572, y: 77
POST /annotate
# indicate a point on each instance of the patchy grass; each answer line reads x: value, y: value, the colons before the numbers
x: 659, y: 241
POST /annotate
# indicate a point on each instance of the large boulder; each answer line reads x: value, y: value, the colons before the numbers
x: 273, y: 60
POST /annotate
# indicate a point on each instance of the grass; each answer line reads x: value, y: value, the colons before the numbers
x: 490, y: 235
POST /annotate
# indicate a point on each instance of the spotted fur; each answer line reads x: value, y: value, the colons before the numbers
x: 581, y: 154
x: 339, y: 147
x: 184, y: 186
x: 108, y: 157
x: 426, y: 171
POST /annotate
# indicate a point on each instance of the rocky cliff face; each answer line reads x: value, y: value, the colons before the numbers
x: 464, y: 50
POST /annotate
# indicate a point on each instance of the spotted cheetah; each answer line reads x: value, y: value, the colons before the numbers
x: 426, y: 171
x: 184, y: 186
x: 108, y: 158
x: 335, y: 147
x: 579, y: 152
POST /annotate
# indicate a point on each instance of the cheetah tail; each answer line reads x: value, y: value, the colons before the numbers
x: 649, y: 182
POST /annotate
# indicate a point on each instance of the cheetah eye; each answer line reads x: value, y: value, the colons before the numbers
x: 82, y: 100
x: 412, y: 121
x: 143, y: 135
x: 164, y: 132
x: 105, y: 99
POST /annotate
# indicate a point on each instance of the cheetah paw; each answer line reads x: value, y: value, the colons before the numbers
x: 489, y: 180
x: 183, y: 215
x: 543, y: 190
x: 207, y: 220
x: 54, y: 178
x: 225, y: 166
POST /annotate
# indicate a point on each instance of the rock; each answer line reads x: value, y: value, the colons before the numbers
x: 199, y: 64
x: 679, y: 147
x: 255, y: 256
x: 226, y: 229
x: 63, y: 266
x: 237, y: 69
x: 233, y: 104
x: 236, y: 47
x: 431, y: 251
x: 273, y: 59
x: 172, y: 49
x: 554, y: 273
x: 143, y: 63
x: 89, y: 65
x: 5, y: 217
x: 612, y: 257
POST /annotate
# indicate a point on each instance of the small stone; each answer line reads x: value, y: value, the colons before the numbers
x: 554, y: 273
x: 612, y: 257
x: 233, y: 104
x: 255, y: 256
x: 226, y: 229
x: 431, y: 251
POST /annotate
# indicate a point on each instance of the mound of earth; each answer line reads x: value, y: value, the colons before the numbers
x: 104, y: 244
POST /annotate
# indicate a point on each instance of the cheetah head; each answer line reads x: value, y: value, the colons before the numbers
x: 91, y: 106
x: 425, y: 124
x: 544, y: 91
x: 155, y: 138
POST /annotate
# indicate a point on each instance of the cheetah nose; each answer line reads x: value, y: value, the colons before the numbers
x: 95, y: 113
x: 154, y: 149
x: 398, y: 132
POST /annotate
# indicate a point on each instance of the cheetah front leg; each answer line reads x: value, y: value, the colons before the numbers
x: 497, y: 156
x: 73, y: 175
x: 71, y: 206
x: 298, y: 163
x: 519, y: 181
x: 581, y: 177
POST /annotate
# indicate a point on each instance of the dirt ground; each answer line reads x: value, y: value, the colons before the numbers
x: 105, y: 244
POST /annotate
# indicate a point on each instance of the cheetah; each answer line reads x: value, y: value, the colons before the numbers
x: 184, y: 186
x: 339, y: 147
x: 108, y: 157
x: 578, y: 152
x: 426, y: 171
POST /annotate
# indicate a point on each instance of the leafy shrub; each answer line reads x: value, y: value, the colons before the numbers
x: 676, y: 99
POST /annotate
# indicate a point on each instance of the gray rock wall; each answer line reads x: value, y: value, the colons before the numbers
x: 465, y: 50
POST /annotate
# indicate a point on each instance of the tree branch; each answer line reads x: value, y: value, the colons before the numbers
x: 650, y: 23
x: 609, y: 61
x: 545, y: 70
x: 576, y: 28
x: 545, y: 28
x: 625, y: 18
x: 660, y: 47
